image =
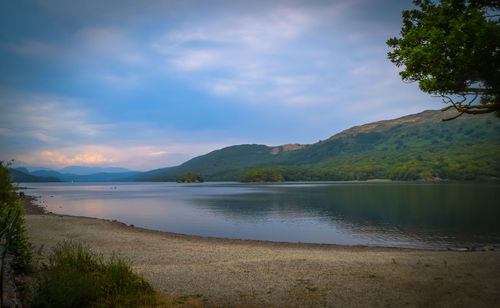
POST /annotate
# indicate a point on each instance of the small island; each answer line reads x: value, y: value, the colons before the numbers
x: 189, y: 177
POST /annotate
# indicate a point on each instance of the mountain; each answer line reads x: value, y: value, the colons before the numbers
x: 95, y: 177
x: 22, y: 175
x: 36, y: 168
x: 418, y: 146
x: 70, y: 173
x: 16, y: 164
x: 81, y: 170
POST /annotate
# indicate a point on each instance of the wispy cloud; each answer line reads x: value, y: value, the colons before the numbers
x: 263, y: 32
x: 245, y: 55
x: 284, y: 56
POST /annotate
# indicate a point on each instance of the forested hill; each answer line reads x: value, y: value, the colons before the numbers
x: 418, y: 146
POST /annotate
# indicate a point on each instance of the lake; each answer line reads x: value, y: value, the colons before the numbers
x: 416, y: 215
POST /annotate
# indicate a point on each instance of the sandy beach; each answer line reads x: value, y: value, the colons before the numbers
x: 257, y: 273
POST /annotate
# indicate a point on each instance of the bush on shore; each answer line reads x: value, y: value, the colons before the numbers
x: 77, y: 277
x: 20, y: 246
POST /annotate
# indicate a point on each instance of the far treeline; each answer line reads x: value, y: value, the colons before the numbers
x: 410, y: 170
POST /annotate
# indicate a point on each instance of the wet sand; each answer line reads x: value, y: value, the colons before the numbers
x: 258, y: 273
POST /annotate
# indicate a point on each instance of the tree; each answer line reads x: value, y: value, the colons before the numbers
x: 453, y: 50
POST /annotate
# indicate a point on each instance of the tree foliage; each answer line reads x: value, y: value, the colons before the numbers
x: 453, y: 50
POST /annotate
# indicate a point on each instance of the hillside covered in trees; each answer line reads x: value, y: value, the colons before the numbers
x: 419, y: 146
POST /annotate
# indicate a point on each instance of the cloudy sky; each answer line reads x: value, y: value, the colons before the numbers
x: 152, y: 83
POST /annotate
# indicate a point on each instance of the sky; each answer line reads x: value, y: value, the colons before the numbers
x: 150, y: 84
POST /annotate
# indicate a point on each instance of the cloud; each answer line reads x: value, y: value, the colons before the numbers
x: 244, y: 50
x: 273, y: 56
x: 262, y: 32
x: 88, y: 155
x: 197, y: 59
x: 232, y: 35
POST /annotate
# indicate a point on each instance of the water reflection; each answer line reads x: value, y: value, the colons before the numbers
x: 388, y: 214
x: 465, y: 214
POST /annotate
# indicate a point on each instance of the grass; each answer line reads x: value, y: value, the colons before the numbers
x: 77, y: 277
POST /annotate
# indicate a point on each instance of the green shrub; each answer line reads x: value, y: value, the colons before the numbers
x: 76, y: 277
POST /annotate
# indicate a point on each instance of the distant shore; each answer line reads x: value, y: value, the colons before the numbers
x: 259, y: 273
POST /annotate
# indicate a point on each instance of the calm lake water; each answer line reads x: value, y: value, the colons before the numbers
x: 421, y: 215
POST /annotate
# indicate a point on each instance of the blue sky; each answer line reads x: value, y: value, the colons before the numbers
x: 150, y: 84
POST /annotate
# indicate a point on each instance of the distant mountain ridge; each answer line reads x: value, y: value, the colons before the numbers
x: 95, y: 177
x: 417, y: 146
x: 81, y: 174
x: 412, y: 147
x: 23, y: 175
x: 84, y: 170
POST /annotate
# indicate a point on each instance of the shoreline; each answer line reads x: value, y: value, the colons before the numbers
x: 34, y: 208
x: 31, y: 207
x: 250, y: 273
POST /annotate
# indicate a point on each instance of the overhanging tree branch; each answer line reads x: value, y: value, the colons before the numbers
x: 463, y: 106
x: 451, y: 48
